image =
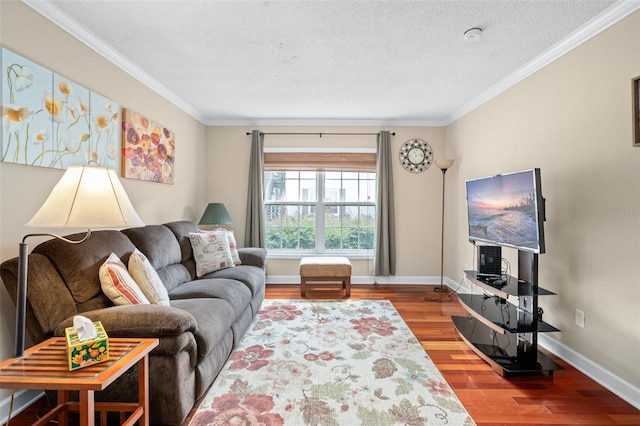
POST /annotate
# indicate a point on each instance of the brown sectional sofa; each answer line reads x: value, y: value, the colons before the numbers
x: 207, y: 317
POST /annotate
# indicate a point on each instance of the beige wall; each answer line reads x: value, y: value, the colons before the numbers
x: 24, y: 188
x: 417, y: 195
x: 573, y: 120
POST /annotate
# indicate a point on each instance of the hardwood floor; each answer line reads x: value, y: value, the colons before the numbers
x: 567, y: 398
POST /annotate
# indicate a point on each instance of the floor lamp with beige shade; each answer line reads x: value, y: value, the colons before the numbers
x: 86, y: 197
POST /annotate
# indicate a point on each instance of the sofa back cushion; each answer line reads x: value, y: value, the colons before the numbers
x: 44, y: 311
x: 79, y: 264
x: 182, y: 229
x: 162, y: 249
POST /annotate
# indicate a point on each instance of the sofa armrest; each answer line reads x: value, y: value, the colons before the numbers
x: 138, y: 321
x: 253, y: 256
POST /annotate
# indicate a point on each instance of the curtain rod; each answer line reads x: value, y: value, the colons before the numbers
x: 323, y: 133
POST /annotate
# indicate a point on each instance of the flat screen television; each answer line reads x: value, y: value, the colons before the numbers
x: 507, y: 210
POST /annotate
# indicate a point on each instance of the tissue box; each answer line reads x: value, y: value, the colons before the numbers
x: 82, y: 354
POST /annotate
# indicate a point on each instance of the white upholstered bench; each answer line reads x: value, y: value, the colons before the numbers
x: 325, y: 270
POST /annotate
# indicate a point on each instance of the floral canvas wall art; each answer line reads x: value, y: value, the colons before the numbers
x: 50, y: 121
x: 148, y: 149
x: 104, y: 146
x: 27, y: 124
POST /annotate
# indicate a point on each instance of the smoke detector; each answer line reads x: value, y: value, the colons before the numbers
x: 472, y: 34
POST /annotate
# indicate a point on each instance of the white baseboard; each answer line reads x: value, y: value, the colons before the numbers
x: 22, y: 399
x: 615, y: 384
x: 362, y: 279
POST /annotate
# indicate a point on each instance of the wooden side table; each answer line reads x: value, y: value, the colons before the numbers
x: 44, y: 367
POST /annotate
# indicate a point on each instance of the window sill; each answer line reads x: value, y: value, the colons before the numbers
x: 278, y: 254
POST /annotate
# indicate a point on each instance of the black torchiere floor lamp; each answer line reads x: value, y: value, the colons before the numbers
x: 443, y: 165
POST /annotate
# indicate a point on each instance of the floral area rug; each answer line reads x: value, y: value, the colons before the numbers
x: 324, y: 362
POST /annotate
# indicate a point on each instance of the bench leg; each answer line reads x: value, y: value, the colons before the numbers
x: 346, y: 284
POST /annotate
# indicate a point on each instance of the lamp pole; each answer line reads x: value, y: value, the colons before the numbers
x: 443, y: 165
x: 21, y: 297
x: 442, y: 288
x: 21, y: 291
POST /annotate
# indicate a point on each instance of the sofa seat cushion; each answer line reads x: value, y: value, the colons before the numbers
x: 233, y: 292
x: 252, y: 276
x: 213, y: 318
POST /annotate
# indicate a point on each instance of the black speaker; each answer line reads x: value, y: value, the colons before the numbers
x: 489, y: 260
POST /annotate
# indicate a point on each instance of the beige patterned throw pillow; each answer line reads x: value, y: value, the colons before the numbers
x: 234, y: 248
x: 147, y: 278
x: 211, y: 251
x: 118, y: 285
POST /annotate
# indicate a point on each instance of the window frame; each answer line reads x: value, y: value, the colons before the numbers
x: 319, y: 205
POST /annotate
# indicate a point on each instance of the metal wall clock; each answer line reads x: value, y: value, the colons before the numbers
x: 416, y: 155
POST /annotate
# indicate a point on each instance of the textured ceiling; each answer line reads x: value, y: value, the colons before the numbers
x: 387, y: 62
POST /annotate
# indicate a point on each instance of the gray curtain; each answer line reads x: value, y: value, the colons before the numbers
x: 254, y: 235
x: 385, y: 254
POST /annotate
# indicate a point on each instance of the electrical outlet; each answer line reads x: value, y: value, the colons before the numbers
x: 580, y: 318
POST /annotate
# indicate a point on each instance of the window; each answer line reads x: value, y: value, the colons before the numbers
x: 320, y: 211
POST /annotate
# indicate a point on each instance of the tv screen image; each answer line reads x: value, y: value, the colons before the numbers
x: 507, y: 210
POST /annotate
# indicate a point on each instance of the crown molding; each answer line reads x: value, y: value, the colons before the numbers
x: 47, y: 10
x: 326, y: 122
x: 607, y: 18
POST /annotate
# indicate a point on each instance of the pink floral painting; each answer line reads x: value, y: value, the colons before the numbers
x: 148, y: 149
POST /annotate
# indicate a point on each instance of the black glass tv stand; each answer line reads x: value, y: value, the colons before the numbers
x: 501, y: 333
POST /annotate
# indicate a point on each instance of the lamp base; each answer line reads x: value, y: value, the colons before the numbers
x: 444, y: 294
